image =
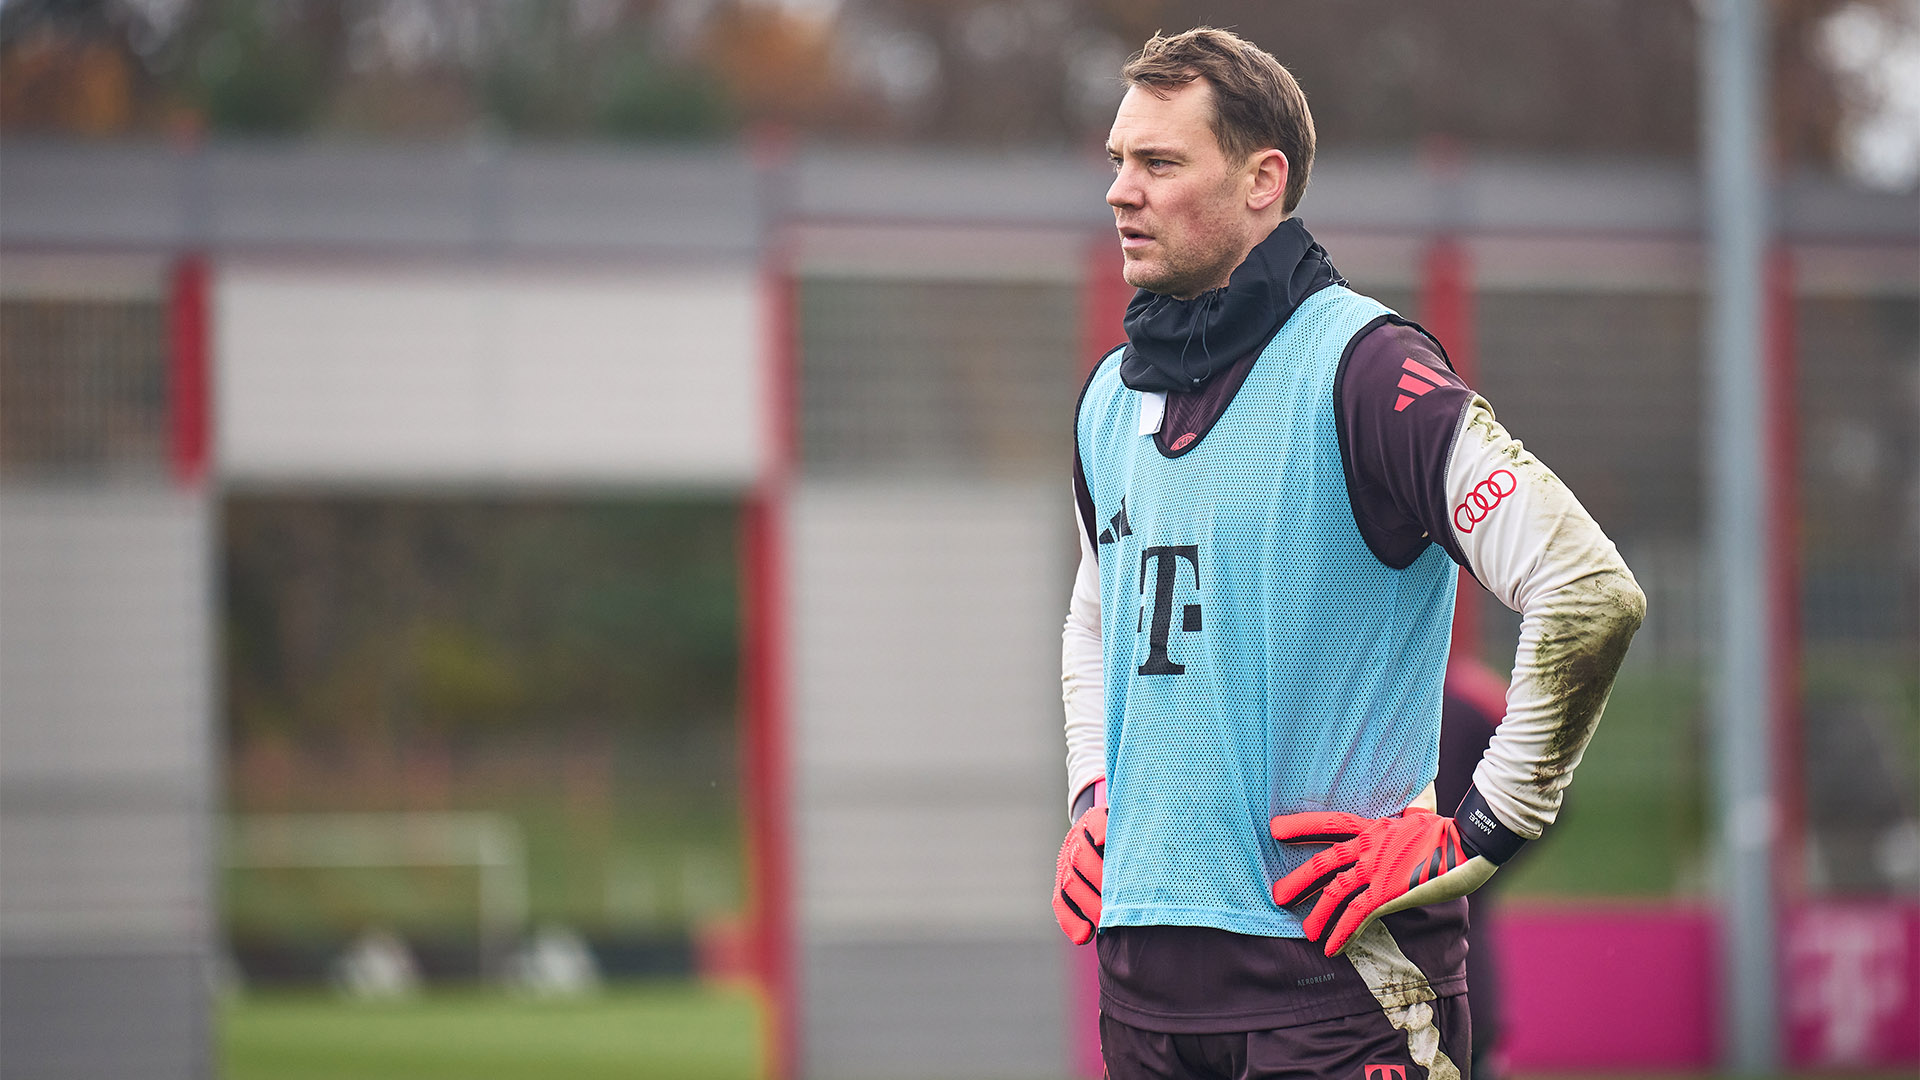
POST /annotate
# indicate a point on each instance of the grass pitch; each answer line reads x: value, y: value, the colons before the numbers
x: 668, y: 1032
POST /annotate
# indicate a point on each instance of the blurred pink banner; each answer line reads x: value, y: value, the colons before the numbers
x: 1603, y: 987
x: 1851, y: 983
x: 1608, y: 987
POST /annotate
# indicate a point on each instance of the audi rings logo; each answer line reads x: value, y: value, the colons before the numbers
x: 1483, y: 498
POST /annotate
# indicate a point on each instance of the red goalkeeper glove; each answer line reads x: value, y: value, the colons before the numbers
x: 1378, y: 866
x: 1076, y: 877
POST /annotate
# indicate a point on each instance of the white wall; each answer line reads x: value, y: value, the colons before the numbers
x: 105, y: 705
x: 396, y: 374
x: 928, y: 772
x: 106, y: 758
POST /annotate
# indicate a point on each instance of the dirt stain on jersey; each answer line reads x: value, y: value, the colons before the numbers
x: 1481, y: 420
x: 1583, y: 637
x: 1579, y: 652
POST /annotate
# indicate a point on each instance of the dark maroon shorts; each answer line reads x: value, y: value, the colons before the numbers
x: 1364, y: 1046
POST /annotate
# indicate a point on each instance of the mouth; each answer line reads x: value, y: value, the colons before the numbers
x: 1132, y: 239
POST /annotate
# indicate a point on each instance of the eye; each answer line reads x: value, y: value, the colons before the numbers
x: 1114, y: 161
x: 1159, y: 164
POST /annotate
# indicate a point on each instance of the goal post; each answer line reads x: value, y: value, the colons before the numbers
x: 488, y: 842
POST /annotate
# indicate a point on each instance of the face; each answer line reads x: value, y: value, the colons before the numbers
x: 1186, y: 215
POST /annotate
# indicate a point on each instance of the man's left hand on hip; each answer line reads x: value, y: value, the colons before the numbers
x: 1376, y: 866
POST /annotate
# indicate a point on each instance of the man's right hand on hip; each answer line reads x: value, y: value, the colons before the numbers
x: 1076, y: 877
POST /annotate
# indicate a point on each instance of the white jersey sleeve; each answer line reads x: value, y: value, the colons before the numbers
x: 1082, y: 676
x: 1531, y: 543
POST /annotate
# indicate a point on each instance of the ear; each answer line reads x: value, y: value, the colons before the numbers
x: 1267, y: 177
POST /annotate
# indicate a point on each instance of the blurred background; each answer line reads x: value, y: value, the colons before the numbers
x: 520, y: 518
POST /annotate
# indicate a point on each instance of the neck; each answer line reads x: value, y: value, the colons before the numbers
x: 1255, y: 239
x: 1176, y: 344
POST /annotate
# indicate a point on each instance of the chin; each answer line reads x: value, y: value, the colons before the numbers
x: 1141, y: 276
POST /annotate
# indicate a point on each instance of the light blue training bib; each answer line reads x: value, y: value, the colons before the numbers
x: 1259, y: 659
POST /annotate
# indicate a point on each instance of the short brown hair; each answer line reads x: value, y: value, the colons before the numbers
x: 1256, y: 103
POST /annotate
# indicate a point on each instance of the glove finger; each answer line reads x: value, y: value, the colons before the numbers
x: 1341, y: 896
x: 1087, y: 844
x: 1329, y: 902
x: 1084, y: 894
x: 1359, y: 910
x: 1065, y: 858
x: 1073, y: 921
x: 1312, y: 874
x: 1321, y: 827
x: 1333, y: 916
x: 1086, y: 862
x: 1078, y: 849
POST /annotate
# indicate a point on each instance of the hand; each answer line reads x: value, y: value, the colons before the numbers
x: 1076, y: 877
x: 1376, y: 866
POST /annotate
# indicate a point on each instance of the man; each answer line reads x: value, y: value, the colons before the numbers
x: 1272, y: 476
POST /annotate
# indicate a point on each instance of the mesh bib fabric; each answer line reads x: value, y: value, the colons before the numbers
x: 1259, y: 660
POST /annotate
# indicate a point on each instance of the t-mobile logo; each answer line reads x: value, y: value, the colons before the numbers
x: 1166, y: 558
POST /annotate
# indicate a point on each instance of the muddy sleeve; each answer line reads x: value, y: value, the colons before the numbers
x: 1531, y: 543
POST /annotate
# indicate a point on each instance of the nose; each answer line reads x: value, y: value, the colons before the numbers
x: 1124, y: 192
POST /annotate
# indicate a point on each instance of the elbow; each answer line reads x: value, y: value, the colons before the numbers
x: 1607, y: 602
x: 1598, y: 614
x: 1627, y: 602
x: 1615, y: 608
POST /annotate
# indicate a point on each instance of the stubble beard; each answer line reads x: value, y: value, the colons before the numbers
x: 1181, y: 279
x: 1214, y: 245
x: 1205, y: 261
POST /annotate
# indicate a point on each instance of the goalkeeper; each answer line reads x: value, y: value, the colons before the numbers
x: 1275, y: 477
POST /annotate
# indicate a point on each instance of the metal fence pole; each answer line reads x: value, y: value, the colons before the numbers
x: 1733, y: 95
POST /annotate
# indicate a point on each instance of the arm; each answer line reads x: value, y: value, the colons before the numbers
x: 1082, y: 684
x: 1426, y: 462
x: 1078, y: 871
x: 1434, y: 466
x: 1536, y: 548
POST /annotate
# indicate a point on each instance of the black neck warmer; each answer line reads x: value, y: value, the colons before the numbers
x: 1177, y: 345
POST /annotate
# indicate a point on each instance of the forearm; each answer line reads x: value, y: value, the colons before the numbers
x: 1571, y: 646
